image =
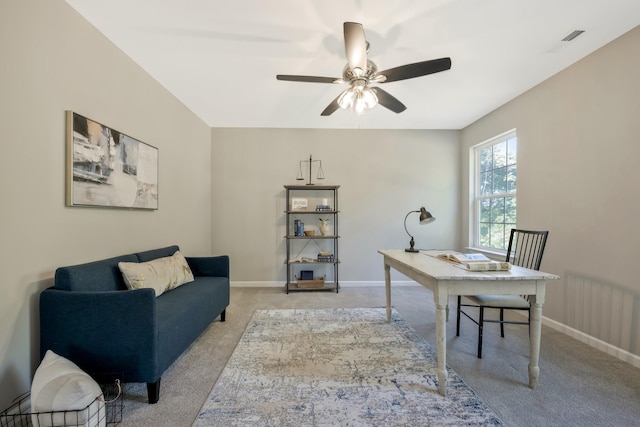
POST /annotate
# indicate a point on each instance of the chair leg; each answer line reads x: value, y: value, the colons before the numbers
x: 480, y: 323
x: 502, y: 323
x: 458, y: 317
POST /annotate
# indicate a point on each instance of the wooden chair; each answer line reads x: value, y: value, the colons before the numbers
x: 525, y: 250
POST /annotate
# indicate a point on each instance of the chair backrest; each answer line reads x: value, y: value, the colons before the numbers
x: 526, y: 248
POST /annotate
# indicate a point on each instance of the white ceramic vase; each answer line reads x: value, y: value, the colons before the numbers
x: 324, y: 226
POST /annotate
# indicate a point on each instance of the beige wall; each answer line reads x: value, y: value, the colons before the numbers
x: 221, y: 190
x: 578, y: 177
x: 53, y: 60
x: 382, y: 174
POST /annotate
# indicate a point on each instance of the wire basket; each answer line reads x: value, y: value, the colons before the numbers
x: 94, y: 415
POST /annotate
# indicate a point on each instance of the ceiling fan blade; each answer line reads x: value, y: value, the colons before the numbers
x: 331, y: 108
x: 389, y: 101
x: 308, y: 79
x: 355, y: 46
x: 418, y: 69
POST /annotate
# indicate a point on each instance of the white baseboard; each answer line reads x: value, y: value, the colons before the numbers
x: 260, y: 284
x: 354, y: 284
x: 612, y: 350
x: 378, y: 283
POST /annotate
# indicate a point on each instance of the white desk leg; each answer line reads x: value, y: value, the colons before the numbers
x: 536, y: 302
x: 387, y: 285
x: 441, y: 299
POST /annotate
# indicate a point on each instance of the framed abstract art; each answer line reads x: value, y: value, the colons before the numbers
x: 107, y: 168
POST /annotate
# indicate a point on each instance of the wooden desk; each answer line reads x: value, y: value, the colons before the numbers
x: 445, y: 278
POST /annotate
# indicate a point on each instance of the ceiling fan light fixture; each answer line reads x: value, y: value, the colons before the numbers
x: 358, y: 98
x: 360, y: 71
x: 369, y: 98
x: 358, y: 106
x: 347, y: 98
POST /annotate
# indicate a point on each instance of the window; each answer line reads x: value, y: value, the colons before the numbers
x: 494, y: 192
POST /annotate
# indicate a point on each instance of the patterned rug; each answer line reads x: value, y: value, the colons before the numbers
x: 337, y: 367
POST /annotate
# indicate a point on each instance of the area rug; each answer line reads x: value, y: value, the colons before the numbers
x: 337, y: 367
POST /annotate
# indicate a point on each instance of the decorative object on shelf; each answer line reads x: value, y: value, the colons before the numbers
x: 311, y: 162
x: 306, y: 275
x: 299, y: 204
x: 324, y: 226
x: 324, y: 206
x: 106, y: 168
x: 425, y: 218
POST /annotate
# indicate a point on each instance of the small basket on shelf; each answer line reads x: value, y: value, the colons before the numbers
x: 310, y: 283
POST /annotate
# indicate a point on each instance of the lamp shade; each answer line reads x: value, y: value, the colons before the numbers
x: 425, y: 216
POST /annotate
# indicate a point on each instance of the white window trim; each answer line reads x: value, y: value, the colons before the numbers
x: 474, y: 209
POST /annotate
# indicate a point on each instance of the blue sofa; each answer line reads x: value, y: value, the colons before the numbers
x: 90, y: 317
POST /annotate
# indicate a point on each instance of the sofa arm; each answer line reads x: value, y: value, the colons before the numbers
x: 113, y: 331
x: 216, y: 266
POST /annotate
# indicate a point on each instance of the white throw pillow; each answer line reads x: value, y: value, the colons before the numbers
x: 60, y: 385
x: 161, y: 274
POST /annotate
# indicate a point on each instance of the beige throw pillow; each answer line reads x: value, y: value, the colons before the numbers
x: 162, y: 274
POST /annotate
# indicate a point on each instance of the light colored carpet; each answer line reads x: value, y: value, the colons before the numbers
x: 337, y: 367
x: 579, y: 385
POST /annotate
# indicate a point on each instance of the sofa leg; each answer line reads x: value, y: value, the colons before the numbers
x: 222, y: 315
x: 153, y: 391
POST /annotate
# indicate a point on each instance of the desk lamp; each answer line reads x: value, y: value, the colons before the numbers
x: 425, y: 218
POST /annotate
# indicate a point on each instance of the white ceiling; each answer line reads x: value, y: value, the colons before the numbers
x: 220, y: 58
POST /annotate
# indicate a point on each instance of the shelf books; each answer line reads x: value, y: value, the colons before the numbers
x: 325, y: 257
x: 464, y: 258
x: 322, y: 208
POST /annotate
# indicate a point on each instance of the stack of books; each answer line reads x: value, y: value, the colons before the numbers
x: 325, y: 257
x: 321, y: 208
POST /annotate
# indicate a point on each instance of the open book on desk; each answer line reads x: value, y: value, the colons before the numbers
x: 471, y: 261
x: 463, y: 258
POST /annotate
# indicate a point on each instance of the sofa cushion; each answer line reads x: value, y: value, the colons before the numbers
x: 60, y: 385
x: 161, y: 274
x: 95, y: 276
x: 204, y: 299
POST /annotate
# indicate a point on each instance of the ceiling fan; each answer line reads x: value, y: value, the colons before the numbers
x: 360, y: 72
